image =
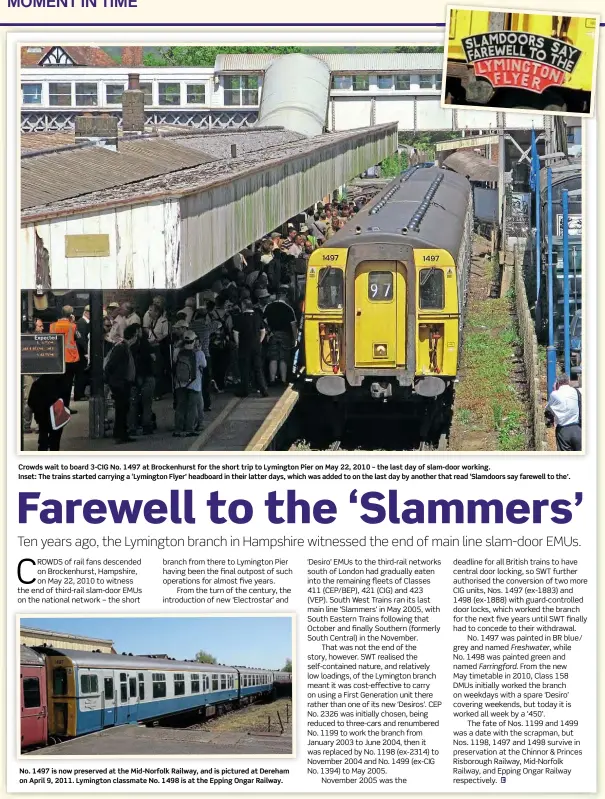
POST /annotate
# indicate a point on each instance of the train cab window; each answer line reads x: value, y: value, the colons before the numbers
x: 215, y: 682
x: 123, y: 687
x: 380, y: 286
x: 89, y: 684
x: 179, y: 684
x: 31, y: 692
x: 159, y: 685
x: 108, y: 688
x: 132, y: 687
x: 431, y: 293
x: 169, y: 93
x: 195, y: 683
x: 59, y: 681
x: 141, y: 686
x: 330, y: 288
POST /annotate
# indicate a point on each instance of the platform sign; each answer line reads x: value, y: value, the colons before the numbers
x: 574, y: 225
x: 42, y: 354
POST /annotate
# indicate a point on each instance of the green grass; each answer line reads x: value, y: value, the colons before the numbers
x: 487, y: 394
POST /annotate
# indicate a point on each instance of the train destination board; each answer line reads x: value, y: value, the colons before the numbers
x: 42, y: 354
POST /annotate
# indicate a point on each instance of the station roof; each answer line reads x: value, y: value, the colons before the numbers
x: 338, y: 62
x: 87, y: 168
x: 50, y: 634
x: 95, y: 178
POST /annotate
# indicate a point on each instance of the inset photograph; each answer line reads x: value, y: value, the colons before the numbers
x: 500, y: 59
x: 123, y: 686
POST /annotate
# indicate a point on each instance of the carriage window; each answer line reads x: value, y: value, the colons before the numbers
x: 380, y: 286
x: 141, y: 686
x: 361, y: 83
x: 89, y: 684
x: 108, y: 688
x: 330, y: 288
x: 206, y: 683
x: 159, y: 685
x: 215, y: 682
x: 132, y: 687
x: 59, y: 681
x: 223, y: 682
x: 432, y: 288
x: 31, y: 692
x: 231, y: 681
x: 179, y: 684
x: 195, y: 683
x: 123, y: 687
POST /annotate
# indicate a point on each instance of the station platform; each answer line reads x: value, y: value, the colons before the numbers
x: 131, y: 739
x: 233, y: 425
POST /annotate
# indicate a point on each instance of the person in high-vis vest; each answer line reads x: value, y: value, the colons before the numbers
x: 69, y: 331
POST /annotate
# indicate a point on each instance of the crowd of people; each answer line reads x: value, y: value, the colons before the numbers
x: 240, y: 333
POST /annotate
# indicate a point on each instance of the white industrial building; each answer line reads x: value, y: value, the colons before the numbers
x: 366, y: 89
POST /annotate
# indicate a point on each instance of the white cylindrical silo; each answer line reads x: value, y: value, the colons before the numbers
x: 296, y: 93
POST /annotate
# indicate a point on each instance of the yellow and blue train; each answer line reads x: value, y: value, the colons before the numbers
x: 385, y: 296
x: 91, y: 691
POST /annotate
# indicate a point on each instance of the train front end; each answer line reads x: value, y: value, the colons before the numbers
x: 381, y: 321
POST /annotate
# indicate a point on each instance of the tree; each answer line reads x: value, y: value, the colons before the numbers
x: 205, y: 657
x: 288, y: 666
x: 205, y: 56
x: 418, y: 49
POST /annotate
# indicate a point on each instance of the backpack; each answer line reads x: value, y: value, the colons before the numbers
x: 185, y: 368
x: 220, y: 338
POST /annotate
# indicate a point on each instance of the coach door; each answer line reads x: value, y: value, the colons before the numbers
x: 34, y: 715
x: 108, y: 701
x: 380, y: 314
x: 128, y: 701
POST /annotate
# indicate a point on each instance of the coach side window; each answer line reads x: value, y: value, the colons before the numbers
x: 159, y: 685
x: 123, y: 687
x: 141, y: 686
x: 89, y: 684
x: 206, y: 683
x: 179, y: 684
x: 108, y: 688
x: 31, y: 692
x: 132, y: 687
x: 215, y: 682
x: 223, y: 682
x: 195, y: 683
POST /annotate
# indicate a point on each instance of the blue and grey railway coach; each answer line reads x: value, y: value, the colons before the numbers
x: 90, y: 691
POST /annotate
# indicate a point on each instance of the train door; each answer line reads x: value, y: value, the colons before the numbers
x: 380, y: 314
x: 108, y: 700
x: 128, y: 700
x: 34, y: 715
